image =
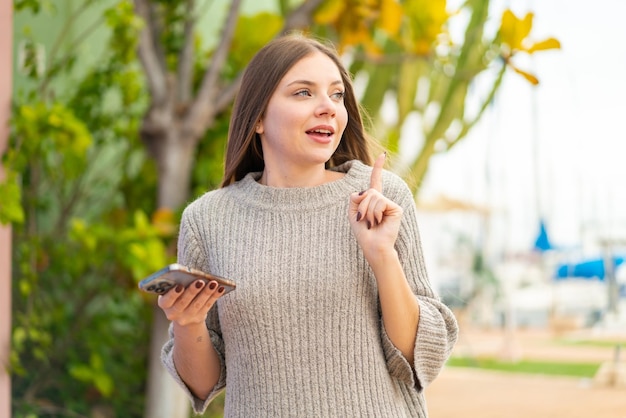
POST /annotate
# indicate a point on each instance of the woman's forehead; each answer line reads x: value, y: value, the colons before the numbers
x: 315, y: 68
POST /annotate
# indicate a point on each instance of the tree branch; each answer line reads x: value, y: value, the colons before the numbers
x: 227, y: 94
x: 149, y: 55
x: 65, y: 31
x: 186, y: 58
x: 301, y: 17
x: 209, y: 82
x: 201, y: 111
x: 74, y: 44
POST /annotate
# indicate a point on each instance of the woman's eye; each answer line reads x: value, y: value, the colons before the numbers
x: 339, y: 95
x: 303, y: 93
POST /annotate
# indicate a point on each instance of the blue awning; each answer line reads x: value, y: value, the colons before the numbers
x: 588, y: 269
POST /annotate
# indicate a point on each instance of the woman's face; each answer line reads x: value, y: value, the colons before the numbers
x: 305, y: 117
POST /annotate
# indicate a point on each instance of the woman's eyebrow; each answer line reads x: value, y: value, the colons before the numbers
x: 311, y: 83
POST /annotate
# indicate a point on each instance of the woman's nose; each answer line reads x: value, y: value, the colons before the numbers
x: 326, y: 106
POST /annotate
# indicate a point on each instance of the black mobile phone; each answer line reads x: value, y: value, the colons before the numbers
x: 175, y: 274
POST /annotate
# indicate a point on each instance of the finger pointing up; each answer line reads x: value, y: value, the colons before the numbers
x: 376, y: 181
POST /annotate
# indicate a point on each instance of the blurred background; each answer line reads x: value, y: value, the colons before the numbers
x: 504, y: 117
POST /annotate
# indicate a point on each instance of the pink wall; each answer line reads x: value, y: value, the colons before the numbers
x: 6, y: 45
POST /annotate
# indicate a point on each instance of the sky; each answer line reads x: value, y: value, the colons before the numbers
x: 556, y: 151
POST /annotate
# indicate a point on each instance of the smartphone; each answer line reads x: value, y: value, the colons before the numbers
x: 175, y: 274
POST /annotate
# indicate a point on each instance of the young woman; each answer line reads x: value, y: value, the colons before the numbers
x: 333, y: 315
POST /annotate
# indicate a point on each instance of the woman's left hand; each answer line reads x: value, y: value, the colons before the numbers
x: 375, y: 220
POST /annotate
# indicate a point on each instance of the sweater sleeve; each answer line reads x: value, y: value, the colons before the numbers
x: 437, y: 328
x: 190, y: 254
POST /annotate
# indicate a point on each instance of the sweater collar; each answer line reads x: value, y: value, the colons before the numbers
x: 300, y: 198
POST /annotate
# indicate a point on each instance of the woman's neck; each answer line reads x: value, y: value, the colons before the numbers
x: 311, y: 178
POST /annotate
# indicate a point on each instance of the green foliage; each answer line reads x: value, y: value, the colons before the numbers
x: 79, y: 192
x: 125, y: 26
x: 172, y: 18
x: 216, y: 407
x: 10, y: 207
x: 408, y: 54
x: 52, y: 134
x: 528, y: 366
x: 33, y: 5
x: 615, y: 342
x: 249, y: 39
x: 94, y: 373
x: 208, y: 169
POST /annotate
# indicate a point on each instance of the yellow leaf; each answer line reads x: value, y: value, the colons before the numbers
x: 528, y: 76
x: 352, y: 19
x: 372, y: 49
x: 329, y: 12
x: 354, y: 35
x: 550, y: 43
x: 426, y: 22
x: 163, y: 221
x: 140, y: 221
x: 163, y: 215
x: 54, y: 120
x: 514, y: 30
x: 28, y: 113
x: 390, y: 19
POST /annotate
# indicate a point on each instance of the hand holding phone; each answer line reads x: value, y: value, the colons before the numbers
x: 174, y: 274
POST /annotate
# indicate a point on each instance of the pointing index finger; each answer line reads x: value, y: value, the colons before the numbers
x: 376, y: 181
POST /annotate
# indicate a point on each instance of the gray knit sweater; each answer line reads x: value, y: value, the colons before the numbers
x: 302, y: 334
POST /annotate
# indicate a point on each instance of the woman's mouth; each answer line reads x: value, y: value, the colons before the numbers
x: 322, y: 135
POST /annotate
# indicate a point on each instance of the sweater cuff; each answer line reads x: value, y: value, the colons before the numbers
x: 397, y: 364
x: 198, y: 405
x: 433, y: 345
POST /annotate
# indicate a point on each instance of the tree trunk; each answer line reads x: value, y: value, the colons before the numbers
x: 173, y: 154
x: 164, y: 398
x: 174, y: 167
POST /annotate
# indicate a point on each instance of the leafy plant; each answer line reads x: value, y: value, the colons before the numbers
x: 81, y: 195
x: 409, y: 58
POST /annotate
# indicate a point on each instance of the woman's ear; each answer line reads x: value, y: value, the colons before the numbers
x: 258, y: 128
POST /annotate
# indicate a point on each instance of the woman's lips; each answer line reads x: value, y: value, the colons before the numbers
x: 323, y: 135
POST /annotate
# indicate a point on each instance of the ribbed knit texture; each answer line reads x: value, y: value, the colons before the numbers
x: 302, y: 334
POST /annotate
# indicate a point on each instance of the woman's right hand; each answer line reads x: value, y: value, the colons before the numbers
x: 191, y: 305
